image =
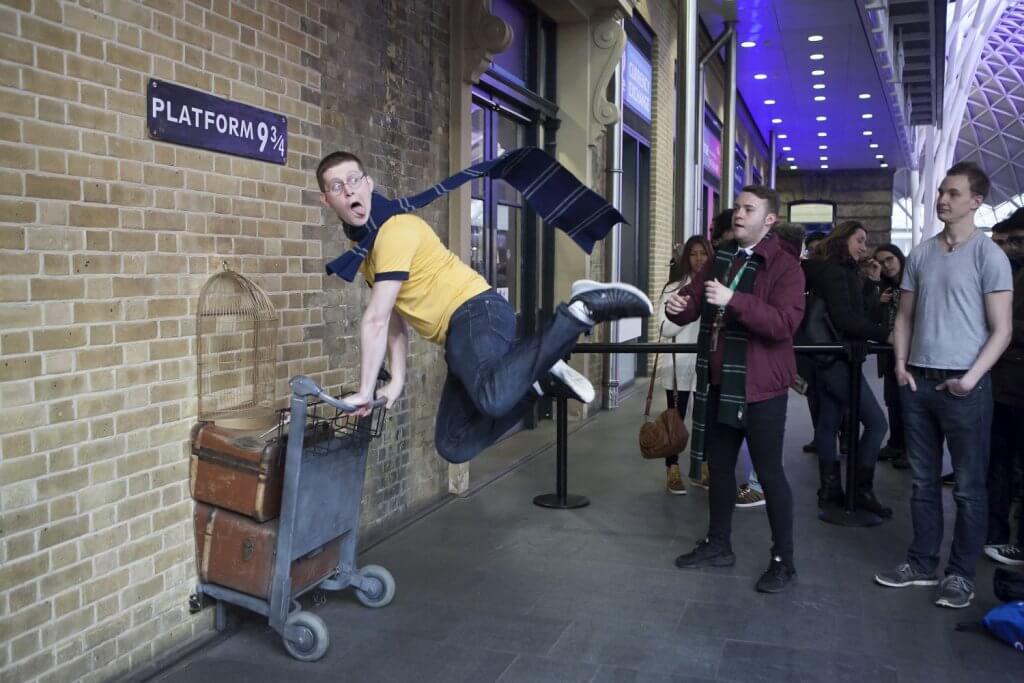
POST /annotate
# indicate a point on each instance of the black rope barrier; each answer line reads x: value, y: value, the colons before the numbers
x: 856, y: 353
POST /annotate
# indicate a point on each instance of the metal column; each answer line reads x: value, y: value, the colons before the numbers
x: 729, y: 122
x: 689, y: 106
x: 772, y: 159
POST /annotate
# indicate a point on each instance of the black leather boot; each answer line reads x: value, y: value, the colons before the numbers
x: 830, y: 493
x: 864, y: 494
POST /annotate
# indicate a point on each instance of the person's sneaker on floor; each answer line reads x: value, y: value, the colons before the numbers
x: 809, y: 447
x: 904, y: 575
x: 748, y: 497
x: 705, y: 478
x: 674, y: 482
x: 955, y: 591
x: 578, y: 385
x: 777, y: 577
x: 706, y: 555
x: 889, y: 453
x: 902, y: 462
x: 949, y: 479
x: 1009, y: 553
x: 605, y: 301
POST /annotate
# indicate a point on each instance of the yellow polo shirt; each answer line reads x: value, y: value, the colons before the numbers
x: 435, y: 282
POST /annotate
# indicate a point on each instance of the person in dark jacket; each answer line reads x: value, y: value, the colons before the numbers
x: 891, y: 258
x: 834, y: 275
x: 750, y: 300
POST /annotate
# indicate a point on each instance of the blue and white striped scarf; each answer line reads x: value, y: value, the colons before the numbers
x: 548, y: 187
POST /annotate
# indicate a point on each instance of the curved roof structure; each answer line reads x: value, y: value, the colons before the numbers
x: 992, y: 132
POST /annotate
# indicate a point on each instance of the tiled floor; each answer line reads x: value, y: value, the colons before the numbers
x: 493, y: 588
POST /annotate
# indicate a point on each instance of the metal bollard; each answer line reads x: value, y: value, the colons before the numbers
x: 561, y: 499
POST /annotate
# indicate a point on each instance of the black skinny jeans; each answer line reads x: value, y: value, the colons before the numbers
x: 766, y: 423
x: 684, y: 400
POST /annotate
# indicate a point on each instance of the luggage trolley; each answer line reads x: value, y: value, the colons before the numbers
x: 322, y: 491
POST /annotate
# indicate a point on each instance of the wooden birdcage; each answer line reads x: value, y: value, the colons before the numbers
x: 236, y: 339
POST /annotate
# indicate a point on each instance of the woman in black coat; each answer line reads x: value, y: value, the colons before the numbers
x: 891, y: 260
x: 833, y: 275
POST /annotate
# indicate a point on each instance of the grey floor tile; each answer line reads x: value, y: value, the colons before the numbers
x: 528, y: 634
x: 527, y: 669
x: 610, y: 674
x: 640, y: 648
x: 757, y: 662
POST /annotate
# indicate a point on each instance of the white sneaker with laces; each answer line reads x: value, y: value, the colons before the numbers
x: 576, y: 382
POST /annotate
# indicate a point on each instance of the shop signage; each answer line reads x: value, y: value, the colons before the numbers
x: 636, y: 82
x: 712, y: 152
x: 197, y: 119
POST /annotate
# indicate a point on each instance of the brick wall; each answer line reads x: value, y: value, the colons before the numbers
x: 390, y: 107
x: 864, y: 195
x: 105, y: 240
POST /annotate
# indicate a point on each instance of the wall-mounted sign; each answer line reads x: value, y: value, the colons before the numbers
x: 636, y: 82
x: 712, y: 152
x: 193, y: 118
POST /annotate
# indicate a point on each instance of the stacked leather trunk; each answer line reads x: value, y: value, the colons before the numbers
x: 236, y: 480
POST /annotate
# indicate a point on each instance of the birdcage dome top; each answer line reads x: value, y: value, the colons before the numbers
x: 228, y: 293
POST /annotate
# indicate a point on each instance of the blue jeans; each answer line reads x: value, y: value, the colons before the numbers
x: 489, y: 386
x: 833, y: 387
x: 929, y: 416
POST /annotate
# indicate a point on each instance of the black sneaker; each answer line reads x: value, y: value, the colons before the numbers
x: 949, y: 479
x: 706, y: 555
x: 889, y: 453
x: 902, y: 462
x: 1006, y: 554
x: 904, y: 575
x: 955, y: 591
x: 809, y: 447
x: 611, y: 300
x: 777, y: 577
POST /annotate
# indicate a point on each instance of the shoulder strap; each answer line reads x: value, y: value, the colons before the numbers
x: 650, y: 388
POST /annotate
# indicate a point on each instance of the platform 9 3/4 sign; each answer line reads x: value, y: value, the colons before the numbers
x: 189, y: 117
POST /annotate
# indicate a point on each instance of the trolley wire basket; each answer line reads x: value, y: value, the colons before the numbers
x: 330, y: 430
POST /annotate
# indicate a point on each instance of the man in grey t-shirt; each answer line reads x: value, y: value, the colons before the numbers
x: 953, y: 324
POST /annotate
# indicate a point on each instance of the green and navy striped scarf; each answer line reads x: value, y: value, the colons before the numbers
x: 733, y: 395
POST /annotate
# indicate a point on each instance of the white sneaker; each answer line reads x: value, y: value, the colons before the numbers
x: 576, y: 382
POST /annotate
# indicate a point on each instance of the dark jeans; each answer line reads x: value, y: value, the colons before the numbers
x: 929, y: 416
x: 891, y: 392
x: 1006, y: 453
x: 813, y: 404
x: 684, y: 400
x: 766, y: 423
x: 833, y: 385
x: 489, y: 387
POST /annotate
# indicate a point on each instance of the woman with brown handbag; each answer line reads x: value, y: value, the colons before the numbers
x: 679, y: 377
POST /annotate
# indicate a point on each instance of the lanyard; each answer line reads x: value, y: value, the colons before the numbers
x: 734, y: 284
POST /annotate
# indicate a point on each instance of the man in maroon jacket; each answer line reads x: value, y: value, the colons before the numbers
x: 750, y: 300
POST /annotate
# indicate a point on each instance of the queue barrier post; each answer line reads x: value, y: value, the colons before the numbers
x: 561, y: 499
x: 850, y: 515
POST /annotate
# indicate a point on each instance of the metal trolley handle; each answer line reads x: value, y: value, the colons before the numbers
x: 303, y: 386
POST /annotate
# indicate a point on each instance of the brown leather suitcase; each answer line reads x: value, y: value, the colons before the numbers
x: 238, y: 553
x: 239, y: 471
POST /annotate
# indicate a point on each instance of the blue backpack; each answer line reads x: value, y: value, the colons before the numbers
x: 1006, y: 622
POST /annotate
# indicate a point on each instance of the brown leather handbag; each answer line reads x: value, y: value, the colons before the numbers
x: 666, y: 435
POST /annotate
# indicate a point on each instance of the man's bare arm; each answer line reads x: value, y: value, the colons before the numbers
x: 902, y: 333
x: 373, y: 333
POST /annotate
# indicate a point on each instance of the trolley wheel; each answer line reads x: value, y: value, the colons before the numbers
x: 306, y: 637
x: 385, y: 592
